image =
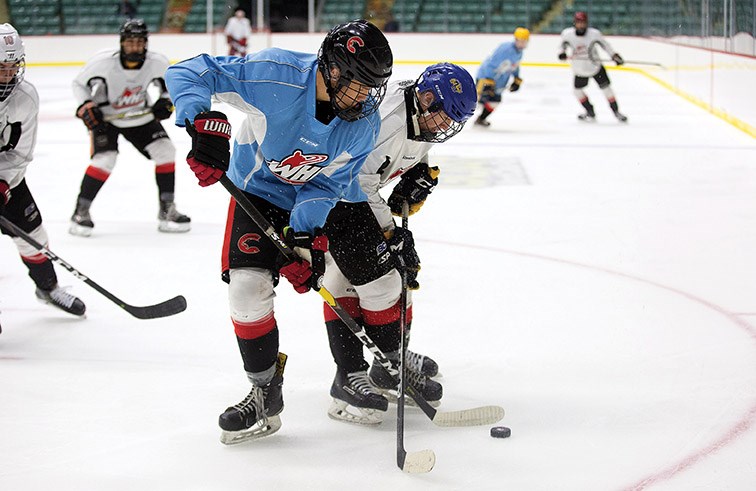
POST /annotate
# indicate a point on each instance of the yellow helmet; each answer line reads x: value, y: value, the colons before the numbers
x: 521, y: 34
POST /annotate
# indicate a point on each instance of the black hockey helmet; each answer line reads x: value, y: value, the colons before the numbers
x: 133, y: 28
x: 361, y: 53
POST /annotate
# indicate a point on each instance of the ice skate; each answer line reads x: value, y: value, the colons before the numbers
x: 355, y: 400
x: 423, y: 364
x: 81, y: 221
x: 431, y: 390
x: 257, y: 416
x: 620, y: 117
x: 482, y: 122
x: 170, y: 220
x: 61, y: 299
x: 589, y: 116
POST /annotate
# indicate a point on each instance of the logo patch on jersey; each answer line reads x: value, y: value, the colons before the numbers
x: 248, y: 243
x: 130, y: 97
x: 353, y: 42
x: 297, y: 168
x: 456, y: 86
x: 10, y: 134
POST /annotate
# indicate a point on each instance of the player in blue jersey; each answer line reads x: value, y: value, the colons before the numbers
x: 496, y: 70
x: 311, y: 121
x: 365, y: 243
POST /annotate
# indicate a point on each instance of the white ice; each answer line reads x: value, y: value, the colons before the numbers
x: 596, y: 280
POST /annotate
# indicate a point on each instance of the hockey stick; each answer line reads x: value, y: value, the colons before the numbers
x: 632, y: 62
x: 163, y: 309
x: 466, y: 417
x: 423, y: 460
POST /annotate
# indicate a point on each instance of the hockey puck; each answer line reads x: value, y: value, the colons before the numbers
x: 500, y: 432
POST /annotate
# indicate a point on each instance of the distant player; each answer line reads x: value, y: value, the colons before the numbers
x: 496, y: 70
x: 311, y: 122
x: 582, y: 40
x: 19, y: 109
x: 238, y: 30
x: 112, y: 93
x: 365, y: 243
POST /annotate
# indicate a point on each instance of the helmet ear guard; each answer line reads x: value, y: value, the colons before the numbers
x: 13, y: 58
x: 361, y: 53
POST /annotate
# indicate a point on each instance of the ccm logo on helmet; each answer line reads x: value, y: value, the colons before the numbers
x: 353, y: 42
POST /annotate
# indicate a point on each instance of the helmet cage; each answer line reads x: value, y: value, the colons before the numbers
x: 134, y: 29
x: 12, y: 60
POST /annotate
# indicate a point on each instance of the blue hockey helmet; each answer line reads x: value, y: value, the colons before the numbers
x: 453, y: 92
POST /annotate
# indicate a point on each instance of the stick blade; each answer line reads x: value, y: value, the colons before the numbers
x: 476, y: 416
x: 418, y: 462
x: 164, y: 309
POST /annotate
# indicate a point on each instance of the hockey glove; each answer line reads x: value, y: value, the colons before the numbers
x: 618, y: 59
x: 515, y: 85
x: 414, y: 187
x: 162, y: 109
x: 91, y: 115
x: 302, y: 274
x: 5, y: 195
x: 562, y: 56
x: 402, y: 247
x: 210, y: 151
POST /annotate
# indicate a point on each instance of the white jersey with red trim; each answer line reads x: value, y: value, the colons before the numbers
x: 394, y: 153
x: 116, y: 90
x: 585, y: 57
x: 18, y: 132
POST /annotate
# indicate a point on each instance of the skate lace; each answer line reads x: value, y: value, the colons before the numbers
x: 415, y: 378
x: 359, y: 381
x: 255, y: 401
x: 414, y: 361
x: 61, y: 297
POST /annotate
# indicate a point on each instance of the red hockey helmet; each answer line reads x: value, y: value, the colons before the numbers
x: 580, y: 16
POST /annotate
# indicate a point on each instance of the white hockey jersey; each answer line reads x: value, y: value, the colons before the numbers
x: 585, y: 59
x: 393, y: 154
x: 116, y: 90
x: 18, y: 132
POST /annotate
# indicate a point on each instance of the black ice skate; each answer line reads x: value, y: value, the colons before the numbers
x: 60, y: 298
x: 620, y: 117
x: 170, y: 220
x: 482, y: 122
x: 257, y: 415
x: 589, y: 116
x: 421, y: 363
x: 81, y: 221
x: 355, y: 400
x: 429, y: 388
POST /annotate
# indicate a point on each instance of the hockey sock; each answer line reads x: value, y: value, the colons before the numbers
x: 165, y: 176
x: 614, y: 106
x: 42, y: 273
x: 92, y: 183
x: 259, y: 354
x: 346, y: 348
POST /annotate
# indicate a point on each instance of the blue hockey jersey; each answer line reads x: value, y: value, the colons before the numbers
x: 281, y: 152
x: 503, y: 63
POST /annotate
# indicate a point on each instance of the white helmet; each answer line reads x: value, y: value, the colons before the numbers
x: 13, y: 56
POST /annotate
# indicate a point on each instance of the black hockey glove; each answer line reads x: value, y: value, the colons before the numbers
x: 515, y: 85
x: 414, y: 187
x: 402, y: 246
x: 5, y: 195
x: 302, y: 274
x: 91, y: 115
x: 562, y: 56
x: 618, y: 59
x: 162, y: 109
x: 211, y: 152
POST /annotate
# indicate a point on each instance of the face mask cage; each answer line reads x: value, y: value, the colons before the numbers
x: 11, y: 74
x: 435, y: 125
x: 347, y: 104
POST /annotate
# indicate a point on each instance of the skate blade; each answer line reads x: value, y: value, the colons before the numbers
x: 253, y: 433
x: 80, y: 230
x: 173, y: 227
x: 341, y: 411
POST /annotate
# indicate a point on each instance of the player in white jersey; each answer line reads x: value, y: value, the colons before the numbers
x: 238, y: 30
x: 365, y: 243
x: 583, y: 40
x: 114, y: 91
x: 19, y: 109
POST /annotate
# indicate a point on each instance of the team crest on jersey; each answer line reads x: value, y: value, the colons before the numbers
x: 297, y: 168
x: 130, y: 97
